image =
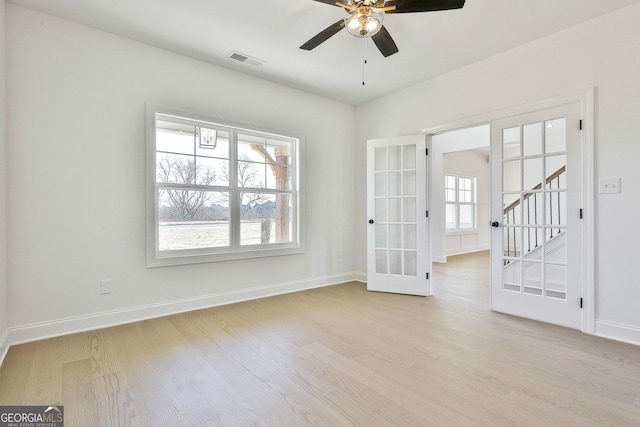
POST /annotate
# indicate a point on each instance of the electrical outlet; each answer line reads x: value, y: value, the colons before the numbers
x: 106, y: 286
x: 339, y: 258
x: 610, y: 185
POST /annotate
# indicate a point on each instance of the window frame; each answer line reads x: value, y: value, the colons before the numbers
x: 235, y: 250
x: 457, y: 203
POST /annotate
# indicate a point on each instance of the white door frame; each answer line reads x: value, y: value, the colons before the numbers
x: 586, y: 98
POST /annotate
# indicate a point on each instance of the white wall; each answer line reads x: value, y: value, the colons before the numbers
x: 469, y: 163
x: 4, y: 341
x: 76, y: 202
x: 600, y: 53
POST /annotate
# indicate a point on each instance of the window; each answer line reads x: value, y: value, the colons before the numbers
x: 218, y: 191
x: 460, y: 198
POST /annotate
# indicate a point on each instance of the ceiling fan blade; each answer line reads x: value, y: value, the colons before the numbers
x: 409, y: 6
x: 331, y: 2
x: 323, y: 35
x: 384, y: 42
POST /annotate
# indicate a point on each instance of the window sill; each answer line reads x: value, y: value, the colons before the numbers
x: 196, y: 257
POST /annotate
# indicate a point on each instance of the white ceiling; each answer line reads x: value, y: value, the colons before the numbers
x: 430, y: 43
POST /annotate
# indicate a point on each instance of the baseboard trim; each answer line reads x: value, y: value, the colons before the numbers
x: 4, y: 345
x: 71, y: 325
x: 360, y: 277
x: 618, y: 332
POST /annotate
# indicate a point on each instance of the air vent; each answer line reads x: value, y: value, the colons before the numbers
x: 246, y: 59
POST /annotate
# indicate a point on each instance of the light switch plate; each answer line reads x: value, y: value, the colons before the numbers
x: 609, y: 185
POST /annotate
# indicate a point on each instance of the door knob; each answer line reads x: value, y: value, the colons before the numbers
x: 371, y: 221
x: 495, y: 224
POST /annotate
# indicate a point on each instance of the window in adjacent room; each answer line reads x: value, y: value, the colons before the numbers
x: 460, y: 202
x: 218, y: 191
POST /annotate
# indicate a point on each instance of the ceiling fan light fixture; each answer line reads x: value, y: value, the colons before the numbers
x: 363, y: 22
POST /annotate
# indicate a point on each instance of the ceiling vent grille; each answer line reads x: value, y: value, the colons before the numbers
x: 246, y: 59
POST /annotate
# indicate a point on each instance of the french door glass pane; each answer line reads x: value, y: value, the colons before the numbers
x: 380, y: 184
x: 532, y: 136
x: 395, y: 183
x: 555, y: 135
x: 410, y: 236
x: 533, y: 173
x: 380, y: 159
x: 410, y: 263
x: 381, y: 261
x: 511, y: 143
x: 395, y: 158
x: 409, y: 209
x: 381, y: 210
x: 395, y: 236
x: 409, y: 159
x: 395, y: 262
x: 395, y: 209
x: 511, y: 179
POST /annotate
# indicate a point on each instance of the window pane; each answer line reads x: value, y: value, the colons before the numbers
x: 451, y: 216
x: 174, y: 137
x: 192, y: 219
x: 265, y: 218
x: 212, y: 171
x: 175, y: 169
x: 212, y: 143
x: 250, y: 148
x: 467, y: 216
x: 251, y: 175
x: 450, y: 181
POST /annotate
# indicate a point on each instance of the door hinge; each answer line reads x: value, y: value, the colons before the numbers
x: 427, y: 214
x: 580, y: 213
x: 580, y: 124
x: 581, y: 302
x: 427, y: 276
x: 426, y: 151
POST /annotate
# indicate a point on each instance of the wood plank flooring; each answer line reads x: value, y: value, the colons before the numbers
x: 335, y: 356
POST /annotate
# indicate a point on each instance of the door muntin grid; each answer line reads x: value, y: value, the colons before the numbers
x: 395, y: 232
x: 534, y: 209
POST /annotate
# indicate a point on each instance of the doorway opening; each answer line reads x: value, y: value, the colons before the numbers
x: 461, y: 206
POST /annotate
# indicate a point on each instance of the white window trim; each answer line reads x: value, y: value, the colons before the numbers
x: 156, y: 258
x: 457, y: 203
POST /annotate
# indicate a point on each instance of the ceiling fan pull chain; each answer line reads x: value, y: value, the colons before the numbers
x: 364, y: 58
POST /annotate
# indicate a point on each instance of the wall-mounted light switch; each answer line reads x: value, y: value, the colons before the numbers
x: 610, y: 185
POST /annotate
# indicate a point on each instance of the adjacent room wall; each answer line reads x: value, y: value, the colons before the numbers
x: 76, y: 203
x: 469, y: 163
x: 598, y: 53
x: 4, y: 336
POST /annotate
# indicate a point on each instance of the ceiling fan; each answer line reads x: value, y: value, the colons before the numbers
x: 364, y: 19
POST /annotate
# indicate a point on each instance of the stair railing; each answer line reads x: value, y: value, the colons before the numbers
x: 551, y: 183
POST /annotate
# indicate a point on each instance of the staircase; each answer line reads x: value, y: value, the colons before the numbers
x: 526, y: 250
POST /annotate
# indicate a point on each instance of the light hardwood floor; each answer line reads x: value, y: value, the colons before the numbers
x: 335, y: 356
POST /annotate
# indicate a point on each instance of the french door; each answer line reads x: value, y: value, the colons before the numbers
x: 397, y: 238
x: 536, y: 240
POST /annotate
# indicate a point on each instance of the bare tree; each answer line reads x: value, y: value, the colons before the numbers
x: 248, y: 177
x: 188, y: 203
